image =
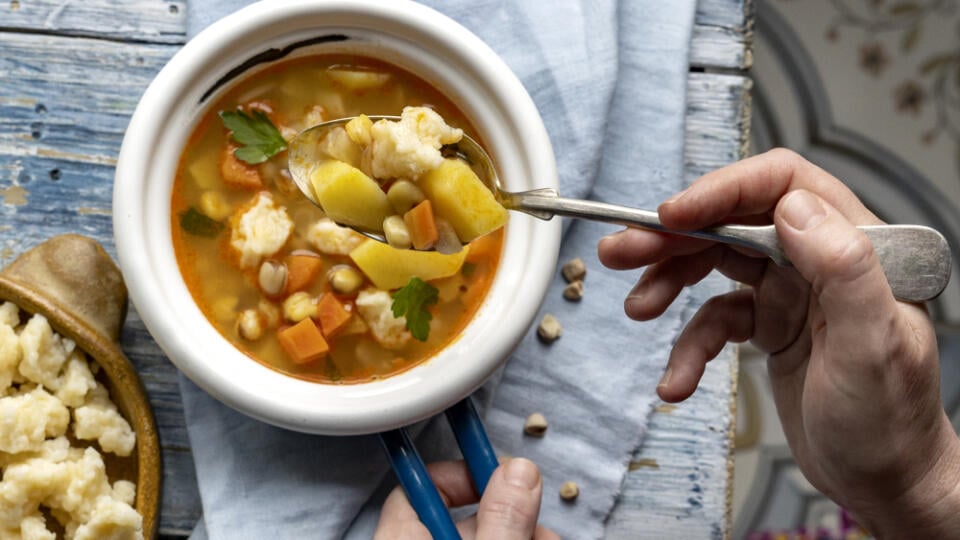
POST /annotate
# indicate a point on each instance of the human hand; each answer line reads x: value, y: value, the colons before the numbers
x: 855, y: 373
x: 508, y: 509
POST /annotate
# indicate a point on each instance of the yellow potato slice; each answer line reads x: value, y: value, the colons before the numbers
x: 390, y: 268
x: 348, y: 196
x: 461, y: 198
x: 355, y: 79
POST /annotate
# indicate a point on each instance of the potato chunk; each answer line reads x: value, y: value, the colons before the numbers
x: 348, y: 196
x: 390, y: 268
x: 358, y: 80
x: 461, y: 198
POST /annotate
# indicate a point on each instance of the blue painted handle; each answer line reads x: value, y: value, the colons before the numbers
x: 473, y: 442
x: 418, y: 485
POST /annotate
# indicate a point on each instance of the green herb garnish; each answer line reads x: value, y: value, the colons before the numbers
x: 196, y: 223
x: 260, y: 138
x: 411, y: 301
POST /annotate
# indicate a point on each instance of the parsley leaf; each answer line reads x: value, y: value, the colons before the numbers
x: 412, y: 301
x: 260, y: 138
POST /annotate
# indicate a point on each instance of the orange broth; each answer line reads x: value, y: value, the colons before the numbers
x: 294, y: 95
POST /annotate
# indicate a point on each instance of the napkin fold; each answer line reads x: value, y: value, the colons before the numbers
x: 609, y: 80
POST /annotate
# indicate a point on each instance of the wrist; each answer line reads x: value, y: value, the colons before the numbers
x: 930, y: 508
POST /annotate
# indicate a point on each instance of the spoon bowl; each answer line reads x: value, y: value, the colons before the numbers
x: 916, y: 259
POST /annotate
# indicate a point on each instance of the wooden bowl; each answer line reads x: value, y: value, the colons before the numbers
x: 75, y: 284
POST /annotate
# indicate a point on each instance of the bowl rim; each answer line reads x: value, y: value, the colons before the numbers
x: 274, y: 397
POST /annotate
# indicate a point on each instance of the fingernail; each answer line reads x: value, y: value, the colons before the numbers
x: 612, y: 236
x: 639, y: 289
x: 801, y: 210
x: 522, y: 473
x: 665, y: 380
x: 676, y: 197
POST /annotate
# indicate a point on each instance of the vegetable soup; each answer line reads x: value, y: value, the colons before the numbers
x: 289, y: 286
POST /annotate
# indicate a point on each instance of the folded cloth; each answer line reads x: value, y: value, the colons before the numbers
x: 609, y: 80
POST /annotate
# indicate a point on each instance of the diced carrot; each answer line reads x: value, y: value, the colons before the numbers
x: 303, y: 342
x: 302, y: 270
x: 238, y: 174
x: 333, y: 315
x: 484, y: 247
x: 422, y: 226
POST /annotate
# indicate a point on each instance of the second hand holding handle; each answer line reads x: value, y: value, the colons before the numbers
x: 416, y: 482
x: 916, y: 259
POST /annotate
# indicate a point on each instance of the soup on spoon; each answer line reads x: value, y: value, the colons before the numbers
x: 391, y: 180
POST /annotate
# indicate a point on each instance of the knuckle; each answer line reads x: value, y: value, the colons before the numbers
x: 784, y: 155
x: 851, y: 256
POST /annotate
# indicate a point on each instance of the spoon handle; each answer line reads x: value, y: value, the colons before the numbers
x: 916, y: 259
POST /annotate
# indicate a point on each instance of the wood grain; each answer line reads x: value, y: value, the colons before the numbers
x: 681, y: 482
x: 153, y: 21
x: 722, y: 35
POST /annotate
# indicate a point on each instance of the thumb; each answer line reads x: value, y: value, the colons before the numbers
x: 837, y: 259
x: 511, y: 503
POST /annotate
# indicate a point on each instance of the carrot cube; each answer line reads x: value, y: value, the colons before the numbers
x: 303, y: 342
x: 333, y: 315
x: 422, y: 226
x: 302, y: 270
x: 238, y: 174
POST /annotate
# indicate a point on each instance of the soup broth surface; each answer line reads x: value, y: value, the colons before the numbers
x: 214, y: 193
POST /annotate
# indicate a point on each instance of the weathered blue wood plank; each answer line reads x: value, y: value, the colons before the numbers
x: 718, y: 121
x: 681, y: 485
x: 158, y: 21
x: 70, y: 98
x: 64, y: 107
x: 722, y: 34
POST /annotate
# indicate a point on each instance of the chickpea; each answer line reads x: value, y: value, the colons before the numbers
x: 569, y: 491
x: 573, y: 291
x: 250, y: 324
x: 358, y: 130
x: 536, y: 425
x: 549, y: 329
x: 396, y: 231
x: 345, y: 279
x: 298, y: 306
x: 574, y: 270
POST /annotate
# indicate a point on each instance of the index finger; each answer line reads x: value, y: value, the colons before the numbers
x: 753, y: 186
x: 453, y: 482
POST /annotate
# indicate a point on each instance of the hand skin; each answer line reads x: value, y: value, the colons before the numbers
x: 855, y: 373
x: 507, y: 511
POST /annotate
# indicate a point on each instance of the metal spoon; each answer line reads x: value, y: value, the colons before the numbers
x: 916, y: 259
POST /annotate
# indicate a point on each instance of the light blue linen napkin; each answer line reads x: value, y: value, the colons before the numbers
x: 609, y: 80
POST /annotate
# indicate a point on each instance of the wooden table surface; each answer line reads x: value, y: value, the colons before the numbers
x: 71, y: 74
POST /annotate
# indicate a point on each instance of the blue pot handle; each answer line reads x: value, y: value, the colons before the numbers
x: 473, y: 442
x: 412, y: 473
x: 416, y: 482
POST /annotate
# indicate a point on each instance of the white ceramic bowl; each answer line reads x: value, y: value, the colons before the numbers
x: 415, y: 38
